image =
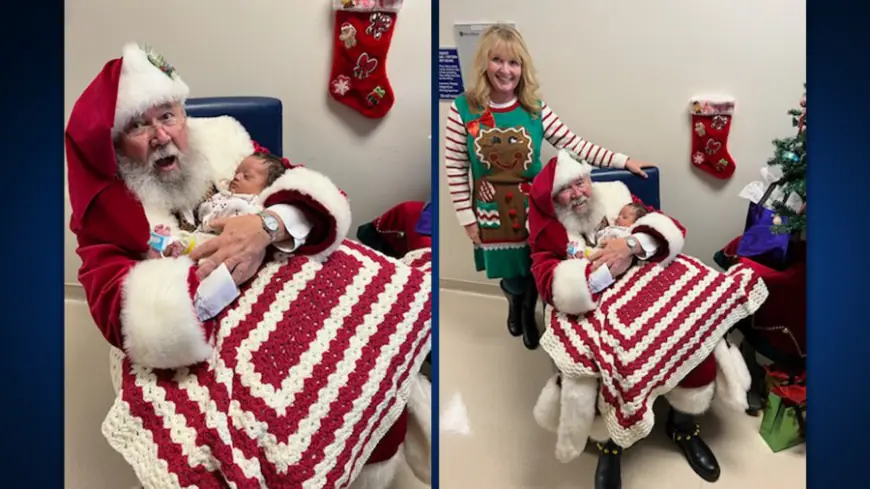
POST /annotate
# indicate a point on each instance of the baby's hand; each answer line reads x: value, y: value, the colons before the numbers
x: 162, y: 230
x: 174, y: 249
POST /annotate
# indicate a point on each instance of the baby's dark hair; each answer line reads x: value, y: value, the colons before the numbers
x: 639, y: 210
x: 274, y: 166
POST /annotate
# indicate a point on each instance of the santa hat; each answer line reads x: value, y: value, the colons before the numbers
x: 567, y: 170
x: 146, y: 81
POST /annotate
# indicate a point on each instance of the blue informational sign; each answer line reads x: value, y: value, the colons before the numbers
x: 449, y: 74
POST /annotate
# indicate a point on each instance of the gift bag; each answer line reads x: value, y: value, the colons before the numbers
x: 783, y: 424
x: 758, y: 241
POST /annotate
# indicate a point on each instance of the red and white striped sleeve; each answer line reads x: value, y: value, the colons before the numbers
x: 458, y: 167
x: 558, y: 134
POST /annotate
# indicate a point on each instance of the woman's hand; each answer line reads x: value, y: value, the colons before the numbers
x: 636, y: 167
x: 241, y: 246
x: 616, y: 255
x: 473, y: 232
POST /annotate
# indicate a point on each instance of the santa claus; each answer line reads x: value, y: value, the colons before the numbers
x: 596, y: 371
x: 136, y: 160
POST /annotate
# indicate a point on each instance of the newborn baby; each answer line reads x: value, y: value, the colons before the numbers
x: 235, y: 197
x: 601, y: 278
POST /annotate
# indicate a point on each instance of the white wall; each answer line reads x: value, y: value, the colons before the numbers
x: 283, y: 50
x: 620, y: 73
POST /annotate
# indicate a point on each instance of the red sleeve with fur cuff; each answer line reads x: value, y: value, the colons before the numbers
x: 324, y: 205
x: 561, y: 282
x: 669, y: 234
x: 144, y: 307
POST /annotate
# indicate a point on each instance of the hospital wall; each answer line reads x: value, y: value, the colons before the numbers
x: 621, y: 73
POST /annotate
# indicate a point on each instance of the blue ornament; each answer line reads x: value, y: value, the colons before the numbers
x: 790, y: 156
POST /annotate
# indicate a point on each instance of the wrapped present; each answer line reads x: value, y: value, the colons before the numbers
x: 784, y: 422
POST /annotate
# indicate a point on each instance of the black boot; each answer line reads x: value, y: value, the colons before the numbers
x: 515, y: 311
x: 608, y: 474
x: 686, y: 434
x: 530, y: 324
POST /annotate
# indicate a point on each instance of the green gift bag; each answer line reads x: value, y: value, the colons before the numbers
x: 784, y: 425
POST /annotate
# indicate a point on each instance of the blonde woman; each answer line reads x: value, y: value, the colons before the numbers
x: 495, y: 132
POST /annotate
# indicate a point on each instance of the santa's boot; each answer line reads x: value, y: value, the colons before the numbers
x: 515, y: 311
x: 686, y: 433
x: 530, y: 324
x: 608, y: 474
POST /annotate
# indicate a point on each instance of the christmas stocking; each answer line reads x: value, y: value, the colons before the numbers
x: 363, y: 30
x: 711, y: 123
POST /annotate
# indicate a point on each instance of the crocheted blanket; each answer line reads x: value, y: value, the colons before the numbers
x: 651, y: 328
x: 312, y: 367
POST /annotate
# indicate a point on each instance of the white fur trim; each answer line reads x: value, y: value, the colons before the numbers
x: 611, y: 197
x: 692, y: 400
x: 549, y: 406
x: 418, y: 439
x: 143, y: 86
x: 665, y: 226
x: 158, y: 319
x: 379, y: 475
x: 578, y: 411
x: 320, y: 188
x: 221, y: 141
x: 733, y: 379
x: 598, y: 432
x: 568, y: 169
x: 712, y: 104
x: 571, y: 294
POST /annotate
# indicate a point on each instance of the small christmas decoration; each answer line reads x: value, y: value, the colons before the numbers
x: 711, y: 123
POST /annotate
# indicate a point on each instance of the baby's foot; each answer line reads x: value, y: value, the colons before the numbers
x: 174, y: 249
x: 162, y: 230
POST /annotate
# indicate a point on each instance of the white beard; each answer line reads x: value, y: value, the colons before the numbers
x: 181, y: 190
x: 581, y: 225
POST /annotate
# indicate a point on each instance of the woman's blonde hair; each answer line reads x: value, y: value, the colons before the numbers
x: 498, y: 36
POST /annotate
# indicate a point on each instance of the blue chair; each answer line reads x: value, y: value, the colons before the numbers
x: 263, y: 117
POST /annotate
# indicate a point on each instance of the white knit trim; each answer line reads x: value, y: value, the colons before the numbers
x: 579, y: 396
x: 714, y: 104
x: 158, y: 320
x: 692, y: 400
x: 571, y: 294
x: 548, y: 408
x: 568, y: 169
x: 665, y: 226
x: 143, y: 86
x: 320, y: 188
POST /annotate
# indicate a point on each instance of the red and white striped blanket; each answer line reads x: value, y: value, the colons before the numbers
x: 312, y: 366
x: 651, y: 328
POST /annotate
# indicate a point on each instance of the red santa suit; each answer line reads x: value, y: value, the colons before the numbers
x: 145, y: 307
x: 563, y: 283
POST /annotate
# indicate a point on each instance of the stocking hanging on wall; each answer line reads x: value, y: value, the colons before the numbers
x: 711, y: 123
x: 362, y: 35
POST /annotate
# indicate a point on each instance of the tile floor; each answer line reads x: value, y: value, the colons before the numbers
x: 499, y: 381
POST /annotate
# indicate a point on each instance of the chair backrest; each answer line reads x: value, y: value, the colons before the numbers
x: 646, y: 189
x: 261, y: 116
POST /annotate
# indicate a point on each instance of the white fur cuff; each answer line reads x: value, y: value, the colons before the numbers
x: 548, y: 408
x: 692, y: 400
x: 575, y: 420
x: 158, y: 319
x: 733, y: 379
x: 571, y: 294
x: 663, y: 226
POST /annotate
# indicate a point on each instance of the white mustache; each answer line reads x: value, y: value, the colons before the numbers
x: 578, y: 201
x: 163, y: 152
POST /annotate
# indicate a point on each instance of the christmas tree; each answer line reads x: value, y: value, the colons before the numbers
x: 790, y: 155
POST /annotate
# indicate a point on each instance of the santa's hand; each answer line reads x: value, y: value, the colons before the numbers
x: 636, y: 167
x: 616, y: 255
x: 241, y: 246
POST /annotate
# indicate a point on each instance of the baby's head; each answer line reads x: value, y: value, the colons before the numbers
x: 629, y: 214
x: 255, y: 173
